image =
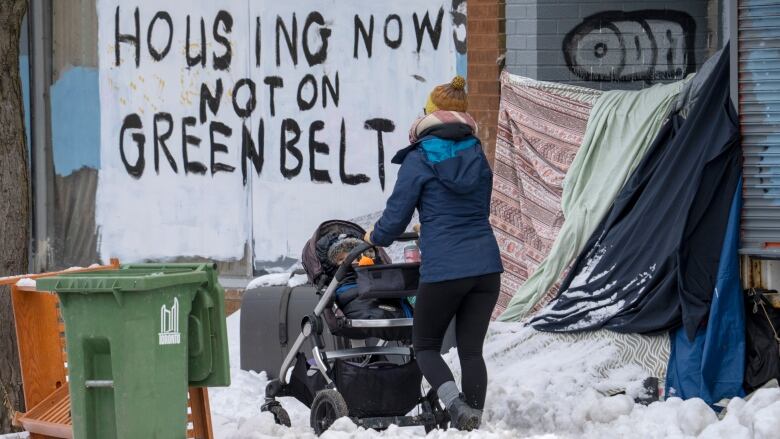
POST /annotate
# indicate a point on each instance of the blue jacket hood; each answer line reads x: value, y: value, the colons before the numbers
x: 457, y: 165
x: 453, y: 154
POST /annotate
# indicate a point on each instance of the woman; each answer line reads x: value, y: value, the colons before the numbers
x: 445, y: 175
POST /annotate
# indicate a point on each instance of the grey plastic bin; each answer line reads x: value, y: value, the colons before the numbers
x: 263, y: 329
x: 265, y: 336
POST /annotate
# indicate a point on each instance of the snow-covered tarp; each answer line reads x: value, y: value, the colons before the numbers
x: 540, y: 387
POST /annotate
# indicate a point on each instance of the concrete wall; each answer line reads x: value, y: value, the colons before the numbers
x: 610, y: 44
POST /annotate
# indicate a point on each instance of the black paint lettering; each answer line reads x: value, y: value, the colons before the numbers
x: 396, y: 43
x: 248, y: 150
x: 201, y: 57
x: 292, y: 41
x: 434, y: 32
x: 288, y: 145
x: 186, y: 140
x: 273, y: 82
x: 156, y: 54
x: 321, y: 54
x: 210, y: 100
x: 221, y: 128
x: 251, y: 102
x: 304, y: 105
x: 258, y: 39
x: 134, y: 39
x: 458, y: 22
x: 133, y: 121
x: 380, y: 126
x: 350, y: 179
x: 222, y: 62
x: 159, y: 141
x: 315, y: 147
x: 327, y: 87
x: 368, y: 36
x: 669, y: 52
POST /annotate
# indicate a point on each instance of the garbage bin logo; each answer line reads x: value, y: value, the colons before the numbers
x: 169, y: 324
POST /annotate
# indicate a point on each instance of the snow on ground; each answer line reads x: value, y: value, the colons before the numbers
x: 537, y: 390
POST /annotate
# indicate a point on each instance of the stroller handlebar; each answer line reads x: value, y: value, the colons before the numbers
x: 408, y: 236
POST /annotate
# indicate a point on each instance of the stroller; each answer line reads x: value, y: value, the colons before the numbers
x: 372, y: 376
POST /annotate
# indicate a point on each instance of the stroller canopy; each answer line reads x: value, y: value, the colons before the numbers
x: 314, y: 258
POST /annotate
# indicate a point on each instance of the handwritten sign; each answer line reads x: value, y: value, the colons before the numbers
x: 227, y: 123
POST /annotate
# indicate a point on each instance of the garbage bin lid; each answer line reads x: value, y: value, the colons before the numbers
x: 122, y: 280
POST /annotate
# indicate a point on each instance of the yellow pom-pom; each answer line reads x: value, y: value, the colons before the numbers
x: 458, y: 83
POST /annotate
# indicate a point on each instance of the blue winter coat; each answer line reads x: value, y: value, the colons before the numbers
x: 449, y: 181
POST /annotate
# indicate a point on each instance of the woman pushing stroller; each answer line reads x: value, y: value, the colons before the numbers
x: 445, y: 175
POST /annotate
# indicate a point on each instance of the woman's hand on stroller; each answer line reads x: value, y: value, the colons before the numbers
x: 367, y: 236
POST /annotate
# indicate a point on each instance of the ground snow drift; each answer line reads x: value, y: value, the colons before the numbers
x: 537, y: 390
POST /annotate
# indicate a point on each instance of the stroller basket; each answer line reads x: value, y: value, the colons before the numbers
x: 378, y: 389
x: 388, y: 281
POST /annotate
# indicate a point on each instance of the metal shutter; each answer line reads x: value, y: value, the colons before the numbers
x: 759, y: 112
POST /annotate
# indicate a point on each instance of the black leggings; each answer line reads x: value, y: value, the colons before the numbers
x: 471, y: 301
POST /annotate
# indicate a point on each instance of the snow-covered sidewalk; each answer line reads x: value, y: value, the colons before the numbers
x: 538, y: 389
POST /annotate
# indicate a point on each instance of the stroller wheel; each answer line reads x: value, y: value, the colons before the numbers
x: 327, y: 406
x: 442, y: 418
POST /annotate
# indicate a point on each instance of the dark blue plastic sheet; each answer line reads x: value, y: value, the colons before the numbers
x: 712, y: 366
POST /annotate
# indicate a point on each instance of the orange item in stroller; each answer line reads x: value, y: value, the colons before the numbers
x: 365, y: 260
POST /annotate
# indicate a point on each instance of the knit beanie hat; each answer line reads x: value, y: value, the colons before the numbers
x: 344, y: 244
x: 448, y: 97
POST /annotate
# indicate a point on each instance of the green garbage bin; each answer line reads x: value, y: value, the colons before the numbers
x: 137, y: 338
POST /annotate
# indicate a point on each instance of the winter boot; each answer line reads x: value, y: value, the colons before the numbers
x: 463, y: 416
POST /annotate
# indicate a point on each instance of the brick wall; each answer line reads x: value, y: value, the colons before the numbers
x: 610, y: 44
x: 233, y: 300
x: 486, y: 40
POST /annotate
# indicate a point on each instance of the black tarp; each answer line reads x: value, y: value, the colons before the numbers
x: 651, y: 265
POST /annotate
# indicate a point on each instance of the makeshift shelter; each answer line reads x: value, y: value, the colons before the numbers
x: 652, y: 263
x: 646, y: 228
x: 621, y: 128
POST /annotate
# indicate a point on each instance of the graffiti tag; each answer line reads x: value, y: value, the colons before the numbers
x: 646, y: 45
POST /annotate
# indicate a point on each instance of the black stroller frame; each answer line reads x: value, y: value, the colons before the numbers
x: 327, y: 403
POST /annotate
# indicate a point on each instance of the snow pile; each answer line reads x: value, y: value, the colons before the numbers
x: 26, y: 283
x: 278, y: 279
x: 538, y: 389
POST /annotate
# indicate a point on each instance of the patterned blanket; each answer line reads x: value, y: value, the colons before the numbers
x: 540, y: 129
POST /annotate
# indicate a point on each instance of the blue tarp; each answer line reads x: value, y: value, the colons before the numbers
x: 712, y: 366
